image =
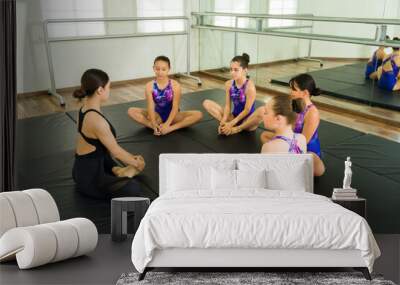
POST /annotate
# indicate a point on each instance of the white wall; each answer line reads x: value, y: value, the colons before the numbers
x: 122, y: 58
x: 32, y: 70
x: 348, y: 8
x: 217, y: 48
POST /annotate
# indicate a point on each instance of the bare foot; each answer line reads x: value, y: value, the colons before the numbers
x: 157, y: 131
x: 117, y: 170
x: 166, y: 130
x: 234, y: 130
x: 128, y: 171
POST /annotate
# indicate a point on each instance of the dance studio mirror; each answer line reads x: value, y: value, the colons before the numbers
x: 281, y: 48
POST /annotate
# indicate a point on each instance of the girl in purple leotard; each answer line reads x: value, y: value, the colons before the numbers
x: 241, y: 92
x: 163, y: 96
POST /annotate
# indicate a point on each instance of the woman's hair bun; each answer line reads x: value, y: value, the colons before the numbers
x: 243, y: 60
x: 79, y: 93
x: 246, y: 57
x: 316, y: 92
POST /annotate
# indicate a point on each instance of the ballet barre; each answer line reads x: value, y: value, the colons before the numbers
x: 48, y: 40
x: 379, y: 38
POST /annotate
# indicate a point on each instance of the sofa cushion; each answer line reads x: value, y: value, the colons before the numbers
x: 7, y: 220
x: 26, y: 208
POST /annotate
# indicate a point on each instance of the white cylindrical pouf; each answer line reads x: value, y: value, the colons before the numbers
x: 45, y: 205
x: 34, y: 246
x: 87, y: 234
x: 67, y: 240
x: 7, y: 217
x: 23, y: 208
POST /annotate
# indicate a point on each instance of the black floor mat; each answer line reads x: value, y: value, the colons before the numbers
x: 44, y: 135
x: 117, y: 115
x: 331, y: 134
x: 382, y: 194
x: 206, y: 133
x: 46, y: 153
x: 373, y: 153
x: 348, y: 82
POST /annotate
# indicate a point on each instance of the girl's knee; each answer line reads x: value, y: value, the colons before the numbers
x: 206, y: 104
x: 198, y: 115
x: 319, y: 167
x: 319, y: 171
x: 132, y: 111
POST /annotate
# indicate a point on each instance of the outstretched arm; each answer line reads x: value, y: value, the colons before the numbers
x: 102, y: 131
x: 227, y: 108
x: 150, y: 105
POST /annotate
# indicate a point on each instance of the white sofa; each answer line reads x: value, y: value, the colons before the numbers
x: 200, y: 193
x: 31, y: 231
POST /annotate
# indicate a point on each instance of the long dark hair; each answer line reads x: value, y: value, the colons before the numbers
x: 303, y: 82
x: 91, y: 80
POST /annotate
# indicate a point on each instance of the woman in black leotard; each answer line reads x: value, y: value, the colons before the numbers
x: 95, y: 172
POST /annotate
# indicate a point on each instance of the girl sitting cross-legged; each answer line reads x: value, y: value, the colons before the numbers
x: 163, y: 96
x: 242, y: 93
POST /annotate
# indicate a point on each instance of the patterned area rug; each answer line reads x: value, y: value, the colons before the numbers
x: 242, y: 278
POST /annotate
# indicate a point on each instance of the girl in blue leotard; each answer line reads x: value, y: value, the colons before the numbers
x: 375, y: 62
x: 163, y: 96
x: 307, y: 121
x: 389, y: 72
x: 313, y: 144
x: 279, y: 117
x: 241, y: 92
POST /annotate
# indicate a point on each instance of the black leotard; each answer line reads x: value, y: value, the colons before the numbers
x: 92, y: 172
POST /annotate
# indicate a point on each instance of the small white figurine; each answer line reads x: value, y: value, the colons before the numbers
x: 347, y: 174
